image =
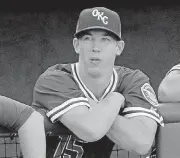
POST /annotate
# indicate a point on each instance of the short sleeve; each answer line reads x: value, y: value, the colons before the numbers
x: 57, y: 92
x: 140, y: 98
x: 176, y: 67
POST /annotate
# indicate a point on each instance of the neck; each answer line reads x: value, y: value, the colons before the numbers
x: 97, y: 85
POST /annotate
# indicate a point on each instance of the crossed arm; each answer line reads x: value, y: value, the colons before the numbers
x: 92, y: 124
x: 134, y: 134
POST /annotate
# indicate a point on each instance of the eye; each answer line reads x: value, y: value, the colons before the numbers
x: 87, y: 38
x: 106, y: 39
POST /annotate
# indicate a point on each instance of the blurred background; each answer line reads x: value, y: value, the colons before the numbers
x: 35, y: 35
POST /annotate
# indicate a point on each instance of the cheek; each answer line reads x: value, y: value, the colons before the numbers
x: 109, y: 58
x: 84, y: 53
x: 110, y: 52
x: 85, y: 48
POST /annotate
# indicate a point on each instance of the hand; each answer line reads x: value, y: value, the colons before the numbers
x: 116, y: 97
x: 111, y: 97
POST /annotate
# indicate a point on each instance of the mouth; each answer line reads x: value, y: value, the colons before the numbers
x: 95, y: 60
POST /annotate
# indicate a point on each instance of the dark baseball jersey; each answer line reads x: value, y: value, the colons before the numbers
x: 60, y: 89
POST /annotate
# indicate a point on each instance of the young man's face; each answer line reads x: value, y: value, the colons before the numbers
x: 97, y: 49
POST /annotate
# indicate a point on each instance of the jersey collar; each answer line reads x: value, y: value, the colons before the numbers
x: 111, y: 87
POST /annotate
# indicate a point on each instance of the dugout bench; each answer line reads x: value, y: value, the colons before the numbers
x: 167, y: 140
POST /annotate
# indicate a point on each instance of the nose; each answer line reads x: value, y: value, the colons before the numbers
x: 96, y: 46
x: 95, y: 49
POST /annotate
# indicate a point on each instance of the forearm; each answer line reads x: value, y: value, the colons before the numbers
x: 92, y: 124
x: 32, y: 137
x: 95, y: 123
x: 131, y: 135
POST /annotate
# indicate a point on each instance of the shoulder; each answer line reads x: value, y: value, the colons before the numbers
x: 57, y: 70
x: 129, y: 75
x: 59, y: 75
x: 175, y: 67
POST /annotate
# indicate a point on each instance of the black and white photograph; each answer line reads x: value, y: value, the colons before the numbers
x: 84, y: 79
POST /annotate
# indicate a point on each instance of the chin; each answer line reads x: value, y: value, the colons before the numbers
x: 94, y: 72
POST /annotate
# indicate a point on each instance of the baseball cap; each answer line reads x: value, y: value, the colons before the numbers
x: 99, y: 18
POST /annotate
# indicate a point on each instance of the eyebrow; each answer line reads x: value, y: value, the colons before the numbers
x: 107, y: 34
x: 87, y: 33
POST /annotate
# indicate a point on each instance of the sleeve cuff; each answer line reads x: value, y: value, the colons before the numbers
x: 58, y: 111
x: 130, y: 112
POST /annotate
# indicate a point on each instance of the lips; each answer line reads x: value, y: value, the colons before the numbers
x: 95, y: 60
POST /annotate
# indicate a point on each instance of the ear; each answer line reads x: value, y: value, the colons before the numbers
x: 76, y: 45
x: 119, y: 47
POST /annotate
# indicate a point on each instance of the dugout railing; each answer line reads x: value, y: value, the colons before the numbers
x: 10, y: 146
x: 167, y: 142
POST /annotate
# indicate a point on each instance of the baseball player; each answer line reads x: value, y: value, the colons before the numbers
x: 99, y: 102
x: 169, y: 88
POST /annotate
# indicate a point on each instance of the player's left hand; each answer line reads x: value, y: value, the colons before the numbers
x: 116, y: 96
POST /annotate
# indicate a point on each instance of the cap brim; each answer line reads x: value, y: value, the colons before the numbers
x: 97, y: 27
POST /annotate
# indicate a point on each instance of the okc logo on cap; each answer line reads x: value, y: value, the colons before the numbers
x: 100, y: 16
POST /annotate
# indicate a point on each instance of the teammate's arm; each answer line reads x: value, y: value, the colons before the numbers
x: 29, y: 124
x: 92, y: 124
x: 169, y: 88
x: 32, y: 137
